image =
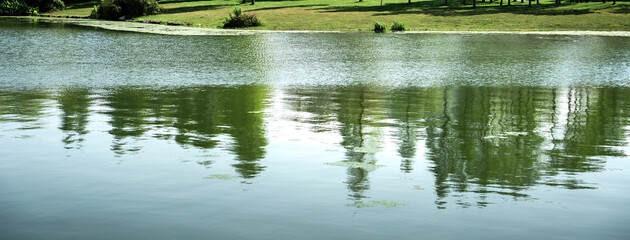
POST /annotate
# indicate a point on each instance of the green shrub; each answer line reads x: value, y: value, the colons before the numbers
x: 29, y: 7
x: 380, y: 27
x: 237, y: 19
x: 94, y: 13
x: 107, y: 10
x: 46, y: 5
x: 398, y: 27
x: 136, y: 8
x: 114, y: 9
x: 16, y: 8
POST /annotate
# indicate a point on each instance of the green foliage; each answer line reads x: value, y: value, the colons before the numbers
x: 115, y: 9
x: 29, y: 7
x: 16, y: 8
x: 237, y: 19
x: 398, y: 27
x: 46, y: 5
x: 380, y: 27
x: 107, y: 10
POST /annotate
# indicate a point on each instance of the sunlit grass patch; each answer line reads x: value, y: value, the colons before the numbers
x: 418, y: 16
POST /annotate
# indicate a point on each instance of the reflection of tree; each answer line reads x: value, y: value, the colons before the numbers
x: 360, y: 136
x: 492, y: 141
x: 319, y: 102
x: 74, y: 105
x: 595, y: 123
x: 485, y: 144
x: 24, y: 106
x: 407, y: 107
x: 243, y: 108
x: 128, y: 116
x: 196, y: 114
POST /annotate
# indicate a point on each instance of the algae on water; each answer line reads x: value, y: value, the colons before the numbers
x: 221, y: 176
x: 363, y: 165
x: 387, y: 204
x: 375, y: 203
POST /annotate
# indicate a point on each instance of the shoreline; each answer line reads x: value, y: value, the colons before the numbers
x: 195, y: 31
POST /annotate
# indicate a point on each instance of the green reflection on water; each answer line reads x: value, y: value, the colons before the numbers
x: 482, y: 141
x: 192, y: 117
x: 119, y: 133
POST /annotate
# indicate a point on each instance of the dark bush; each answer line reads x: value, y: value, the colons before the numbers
x: 380, y: 27
x: 398, y: 27
x: 106, y: 10
x: 114, y: 9
x: 46, y: 5
x: 16, y: 8
x: 238, y: 20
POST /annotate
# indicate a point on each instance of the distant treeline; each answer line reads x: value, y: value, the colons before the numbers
x: 105, y: 9
x: 29, y: 7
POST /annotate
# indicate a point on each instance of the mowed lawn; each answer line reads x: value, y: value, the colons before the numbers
x: 348, y: 15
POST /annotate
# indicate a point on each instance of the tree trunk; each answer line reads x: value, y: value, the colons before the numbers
x: 614, y: 1
x: 253, y: 2
x: 530, y: 3
x: 244, y: 1
x: 409, y: 2
x: 509, y: 2
x: 490, y: 1
x: 474, y: 3
x: 522, y: 1
x: 501, y: 3
x: 446, y: 2
x: 464, y: 2
x: 537, y: 2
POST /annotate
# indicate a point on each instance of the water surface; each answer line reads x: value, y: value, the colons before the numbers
x: 112, y: 135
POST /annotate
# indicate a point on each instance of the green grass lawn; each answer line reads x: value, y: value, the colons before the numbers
x: 349, y: 15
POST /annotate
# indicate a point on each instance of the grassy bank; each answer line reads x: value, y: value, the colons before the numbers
x: 348, y: 15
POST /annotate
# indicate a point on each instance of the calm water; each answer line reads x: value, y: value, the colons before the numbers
x: 110, y: 135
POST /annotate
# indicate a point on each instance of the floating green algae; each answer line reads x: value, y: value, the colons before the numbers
x: 387, y: 204
x: 375, y: 203
x: 363, y: 165
x: 221, y: 177
x: 360, y: 205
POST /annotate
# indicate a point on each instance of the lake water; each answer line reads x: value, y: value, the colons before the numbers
x: 119, y: 135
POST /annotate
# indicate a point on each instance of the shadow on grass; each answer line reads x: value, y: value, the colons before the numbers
x: 279, y: 0
x: 181, y: 1
x: 85, y: 4
x: 437, y: 8
x: 293, y: 6
x: 193, y: 9
x: 622, y: 10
